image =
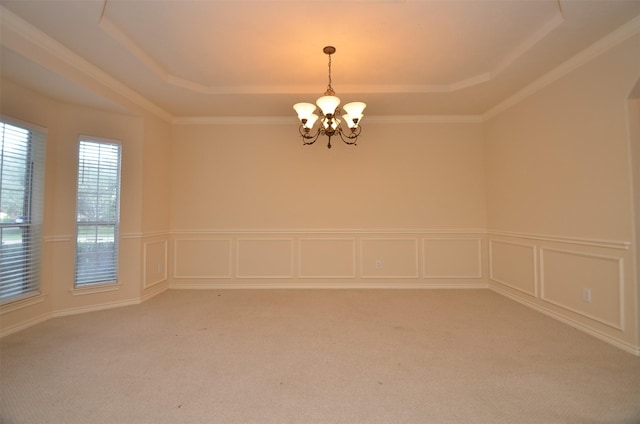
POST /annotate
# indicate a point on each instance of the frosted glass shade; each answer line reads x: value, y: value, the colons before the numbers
x: 349, y: 120
x: 354, y: 108
x: 311, y: 120
x: 305, y: 110
x: 328, y: 104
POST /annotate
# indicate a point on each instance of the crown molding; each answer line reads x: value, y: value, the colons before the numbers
x: 128, y: 43
x: 30, y: 42
x: 280, y: 120
x: 425, y: 119
x: 20, y: 36
x: 601, y: 46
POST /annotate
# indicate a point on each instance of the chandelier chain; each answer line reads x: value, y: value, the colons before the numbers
x: 329, y: 87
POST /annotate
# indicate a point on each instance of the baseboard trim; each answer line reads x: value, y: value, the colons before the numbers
x: 24, y: 325
x: 76, y: 311
x: 326, y: 285
x: 153, y: 291
x: 94, y: 308
x: 634, y: 350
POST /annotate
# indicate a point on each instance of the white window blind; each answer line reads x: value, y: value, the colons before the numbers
x: 22, y: 166
x: 98, y: 210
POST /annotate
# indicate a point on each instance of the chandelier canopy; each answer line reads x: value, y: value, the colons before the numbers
x: 331, y: 117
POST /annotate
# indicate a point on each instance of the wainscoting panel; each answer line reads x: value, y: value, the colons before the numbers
x: 586, y: 283
x: 327, y: 258
x: 452, y: 258
x: 202, y: 258
x: 318, y: 258
x: 389, y: 258
x: 155, y: 263
x: 264, y: 258
x: 513, y: 265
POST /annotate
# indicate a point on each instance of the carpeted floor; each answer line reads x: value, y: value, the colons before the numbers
x: 315, y: 356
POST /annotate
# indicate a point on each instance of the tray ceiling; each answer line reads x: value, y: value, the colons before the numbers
x: 256, y: 58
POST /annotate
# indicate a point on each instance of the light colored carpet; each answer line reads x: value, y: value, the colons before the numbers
x: 316, y: 356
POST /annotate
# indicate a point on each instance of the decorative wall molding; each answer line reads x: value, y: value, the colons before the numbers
x: 333, y: 258
x: 386, y: 255
x: 370, y: 284
x: 564, y: 268
x: 302, y: 256
x: 309, y: 231
x: 264, y: 273
x: 635, y: 350
x: 478, y: 253
x: 176, y: 253
x: 145, y: 258
x: 510, y: 284
x: 619, y: 262
x: 609, y: 244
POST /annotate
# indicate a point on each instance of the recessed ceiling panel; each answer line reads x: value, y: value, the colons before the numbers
x: 256, y: 58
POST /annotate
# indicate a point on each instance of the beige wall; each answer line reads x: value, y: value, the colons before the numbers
x: 560, y: 197
x: 424, y: 176
x: 65, y: 123
x: 251, y: 206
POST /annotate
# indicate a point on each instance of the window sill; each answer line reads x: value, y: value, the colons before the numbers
x: 95, y: 288
x: 10, y: 305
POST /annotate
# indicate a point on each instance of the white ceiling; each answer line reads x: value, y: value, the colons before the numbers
x: 217, y: 58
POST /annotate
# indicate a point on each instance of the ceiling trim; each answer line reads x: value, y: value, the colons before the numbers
x: 110, y: 28
x: 279, y: 120
x: 23, y: 38
x: 601, y: 46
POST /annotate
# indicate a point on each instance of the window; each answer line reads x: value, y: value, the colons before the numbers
x: 22, y: 159
x: 98, y: 212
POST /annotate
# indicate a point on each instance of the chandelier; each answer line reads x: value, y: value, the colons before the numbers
x: 331, y: 117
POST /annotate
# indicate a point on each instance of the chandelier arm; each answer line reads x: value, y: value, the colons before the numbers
x: 350, y: 138
x: 305, y: 135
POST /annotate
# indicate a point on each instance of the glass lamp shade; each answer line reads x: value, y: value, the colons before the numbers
x: 328, y: 104
x: 305, y: 110
x: 354, y: 109
x: 311, y: 120
x: 349, y: 120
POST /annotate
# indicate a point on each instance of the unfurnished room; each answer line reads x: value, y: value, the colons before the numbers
x: 355, y: 211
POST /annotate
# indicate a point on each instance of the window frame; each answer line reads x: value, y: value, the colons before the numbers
x: 93, y: 285
x: 32, y: 218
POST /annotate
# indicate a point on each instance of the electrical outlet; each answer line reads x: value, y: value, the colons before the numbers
x: 378, y: 264
x: 586, y: 295
x: 159, y: 268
